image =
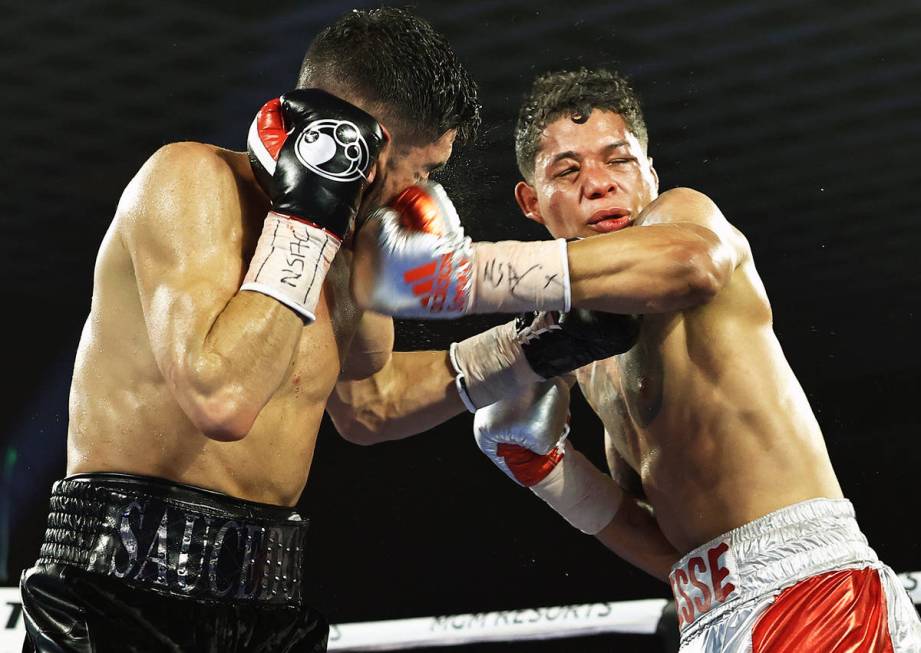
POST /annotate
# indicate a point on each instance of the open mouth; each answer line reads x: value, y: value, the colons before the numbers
x: 608, y: 220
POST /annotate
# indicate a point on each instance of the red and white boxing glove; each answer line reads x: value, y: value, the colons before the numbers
x: 412, y: 260
x: 526, y: 438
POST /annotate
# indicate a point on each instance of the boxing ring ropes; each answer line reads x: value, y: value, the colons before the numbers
x: 554, y: 622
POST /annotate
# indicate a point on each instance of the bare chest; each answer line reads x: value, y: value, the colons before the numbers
x: 627, y: 393
x: 635, y: 379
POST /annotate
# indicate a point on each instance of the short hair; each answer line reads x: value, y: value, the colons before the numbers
x: 397, y: 60
x: 574, y: 93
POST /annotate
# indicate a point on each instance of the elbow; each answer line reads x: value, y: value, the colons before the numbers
x: 359, y: 413
x: 220, y: 409
x: 354, y: 430
x: 702, y: 275
x: 225, y: 413
x: 707, y: 279
x: 357, y: 427
x: 224, y: 418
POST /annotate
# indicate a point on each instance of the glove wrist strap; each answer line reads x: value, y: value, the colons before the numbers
x: 291, y: 261
x: 460, y: 383
x: 491, y: 366
x: 581, y: 493
x: 512, y: 277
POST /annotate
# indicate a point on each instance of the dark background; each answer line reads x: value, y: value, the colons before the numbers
x: 801, y: 119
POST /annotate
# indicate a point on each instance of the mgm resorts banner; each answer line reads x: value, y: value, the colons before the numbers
x: 553, y: 622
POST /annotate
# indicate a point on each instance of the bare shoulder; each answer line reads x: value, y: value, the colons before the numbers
x: 182, y: 184
x: 181, y: 220
x: 684, y: 205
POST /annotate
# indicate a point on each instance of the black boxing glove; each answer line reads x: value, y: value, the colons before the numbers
x: 311, y: 152
x: 581, y: 336
x: 500, y: 362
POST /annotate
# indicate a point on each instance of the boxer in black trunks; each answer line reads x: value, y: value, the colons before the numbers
x: 206, y: 362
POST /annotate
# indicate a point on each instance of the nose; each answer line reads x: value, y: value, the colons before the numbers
x: 597, y: 182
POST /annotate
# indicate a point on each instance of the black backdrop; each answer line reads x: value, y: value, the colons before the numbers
x: 801, y: 119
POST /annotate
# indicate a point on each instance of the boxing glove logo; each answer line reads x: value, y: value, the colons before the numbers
x: 333, y: 149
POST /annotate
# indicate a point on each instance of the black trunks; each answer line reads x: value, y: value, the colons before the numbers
x: 132, y: 563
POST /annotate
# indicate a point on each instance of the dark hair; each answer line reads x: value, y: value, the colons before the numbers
x: 393, y: 58
x: 573, y: 93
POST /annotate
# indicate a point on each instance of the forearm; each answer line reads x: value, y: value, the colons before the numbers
x: 413, y: 393
x: 657, y: 269
x: 669, y: 263
x: 525, y: 437
x: 634, y: 535
x: 413, y: 260
x: 250, y: 344
x: 231, y: 375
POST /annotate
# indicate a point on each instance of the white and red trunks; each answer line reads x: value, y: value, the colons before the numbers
x: 799, y: 579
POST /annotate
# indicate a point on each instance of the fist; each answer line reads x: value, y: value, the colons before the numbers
x: 523, y: 436
x: 312, y: 153
x: 558, y: 343
x: 412, y: 259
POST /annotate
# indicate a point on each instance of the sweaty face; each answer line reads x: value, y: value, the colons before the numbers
x: 590, y: 177
x: 403, y: 165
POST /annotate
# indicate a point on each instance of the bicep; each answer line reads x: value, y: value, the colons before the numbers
x: 691, y: 210
x: 600, y: 389
x: 184, y: 249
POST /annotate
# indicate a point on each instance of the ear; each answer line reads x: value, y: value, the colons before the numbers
x: 382, y: 155
x: 655, y: 175
x: 526, y: 197
x: 388, y: 137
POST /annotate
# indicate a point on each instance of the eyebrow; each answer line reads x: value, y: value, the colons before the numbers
x: 613, y: 146
x: 569, y: 154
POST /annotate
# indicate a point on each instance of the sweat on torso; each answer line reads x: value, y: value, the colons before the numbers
x: 125, y: 418
x: 707, y: 412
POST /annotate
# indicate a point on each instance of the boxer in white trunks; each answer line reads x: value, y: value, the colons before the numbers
x: 721, y: 480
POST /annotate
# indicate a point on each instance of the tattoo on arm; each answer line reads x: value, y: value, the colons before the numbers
x: 644, y: 379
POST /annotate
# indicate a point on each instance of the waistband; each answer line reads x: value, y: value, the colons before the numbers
x: 176, y: 539
x: 767, y: 554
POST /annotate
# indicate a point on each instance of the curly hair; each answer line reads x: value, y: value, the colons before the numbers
x: 392, y: 57
x: 574, y: 93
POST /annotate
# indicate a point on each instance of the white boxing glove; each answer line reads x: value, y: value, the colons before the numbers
x: 526, y: 438
x: 412, y: 260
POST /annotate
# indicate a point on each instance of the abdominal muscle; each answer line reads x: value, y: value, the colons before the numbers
x: 730, y: 436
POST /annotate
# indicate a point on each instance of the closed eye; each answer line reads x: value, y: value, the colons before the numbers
x: 432, y: 171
